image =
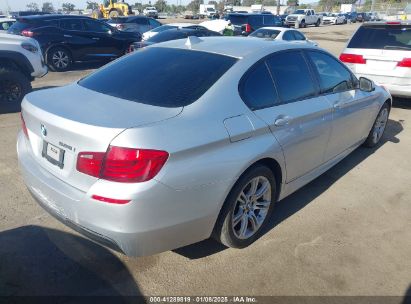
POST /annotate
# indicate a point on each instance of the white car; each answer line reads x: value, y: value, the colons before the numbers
x: 281, y: 33
x: 150, y: 11
x: 5, y: 23
x: 21, y: 61
x: 333, y: 19
x: 381, y: 51
x: 169, y: 26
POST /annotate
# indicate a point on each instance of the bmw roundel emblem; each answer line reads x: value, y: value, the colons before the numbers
x: 43, y: 130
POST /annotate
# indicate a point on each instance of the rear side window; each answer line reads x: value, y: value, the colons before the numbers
x: 333, y: 76
x: 298, y: 35
x: 154, y: 23
x: 163, y: 77
x: 390, y: 37
x: 288, y: 36
x: 256, y: 20
x: 238, y: 19
x: 292, y: 76
x: 71, y: 24
x: 257, y: 88
x: 265, y: 33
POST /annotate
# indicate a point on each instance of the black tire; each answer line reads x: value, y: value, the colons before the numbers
x: 97, y: 14
x: 57, y: 65
x: 14, y: 85
x: 303, y: 24
x: 115, y: 13
x: 225, y: 230
x: 374, y: 138
x: 317, y: 24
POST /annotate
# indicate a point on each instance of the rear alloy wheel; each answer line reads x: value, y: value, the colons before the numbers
x: 247, y: 208
x: 59, y: 59
x: 14, y: 85
x: 378, y: 127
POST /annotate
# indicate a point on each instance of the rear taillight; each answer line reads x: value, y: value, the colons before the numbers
x: 27, y: 33
x: 393, y: 23
x: 352, y: 58
x: 124, y: 165
x: 248, y: 28
x: 405, y: 63
x: 90, y: 163
x: 23, y: 126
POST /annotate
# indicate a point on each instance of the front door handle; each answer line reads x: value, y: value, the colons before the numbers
x: 282, y: 121
x: 95, y: 38
x: 68, y: 36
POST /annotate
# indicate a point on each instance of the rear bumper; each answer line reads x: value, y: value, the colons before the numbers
x: 160, y: 219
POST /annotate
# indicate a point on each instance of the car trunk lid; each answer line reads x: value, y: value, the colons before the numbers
x: 74, y: 119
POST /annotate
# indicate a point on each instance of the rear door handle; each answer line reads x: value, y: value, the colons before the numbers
x: 282, y: 121
x: 68, y: 36
x: 95, y: 38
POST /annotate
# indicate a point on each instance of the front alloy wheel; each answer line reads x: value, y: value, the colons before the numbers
x: 378, y: 128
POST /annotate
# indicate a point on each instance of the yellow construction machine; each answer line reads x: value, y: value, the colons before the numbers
x: 111, y: 9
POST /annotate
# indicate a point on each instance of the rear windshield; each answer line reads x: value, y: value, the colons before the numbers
x: 18, y: 26
x: 168, y: 35
x: 265, y: 33
x: 389, y: 37
x: 163, y: 77
x: 238, y: 19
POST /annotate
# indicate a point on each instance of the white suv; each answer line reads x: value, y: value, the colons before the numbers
x: 381, y: 51
x: 21, y: 61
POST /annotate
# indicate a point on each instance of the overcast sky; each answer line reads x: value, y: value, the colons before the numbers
x: 16, y: 5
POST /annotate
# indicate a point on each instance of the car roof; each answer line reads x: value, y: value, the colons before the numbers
x: 52, y: 17
x: 237, y: 47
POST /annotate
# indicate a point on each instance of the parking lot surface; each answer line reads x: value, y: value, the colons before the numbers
x: 346, y: 233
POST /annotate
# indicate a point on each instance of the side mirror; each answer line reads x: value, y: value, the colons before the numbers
x: 366, y: 85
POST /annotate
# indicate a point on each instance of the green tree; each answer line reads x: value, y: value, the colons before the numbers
x: 161, y: 5
x: 33, y: 7
x: 47, y: 7
x: 212, y: 2
x: 269, y: 2
x: 248, y: 2
x: 194, y: 5
x: 92, y: 5
x: 68, y: 7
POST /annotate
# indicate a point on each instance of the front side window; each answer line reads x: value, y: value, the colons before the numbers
x: 265, y: 33
x: 185, y: 76
x: 95, y: 26
x: 333, y: 76
x: 257, y: 88
x: 292, y: 76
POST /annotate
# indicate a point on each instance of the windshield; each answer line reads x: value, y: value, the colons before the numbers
x: 299, y: 12
x: 382, y: 37
x: 19, y: 26
x: 157, y: 76
x: 265, y: 33
x: 210, y: 9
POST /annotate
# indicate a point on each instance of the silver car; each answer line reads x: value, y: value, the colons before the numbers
x: 193, y: 138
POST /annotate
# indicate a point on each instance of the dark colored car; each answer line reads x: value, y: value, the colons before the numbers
x: 362, y: 17
x: 173, y: 34
x: 352, y: 17
x: 66, y: 39
x: 139, y: 24
x: 245, y: 24
x: 283, y: 17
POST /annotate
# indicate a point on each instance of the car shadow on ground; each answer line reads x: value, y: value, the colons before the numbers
x: 37, y: 261
x: 298, y: 200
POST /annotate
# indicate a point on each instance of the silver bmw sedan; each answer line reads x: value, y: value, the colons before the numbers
x: 193, y: 138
